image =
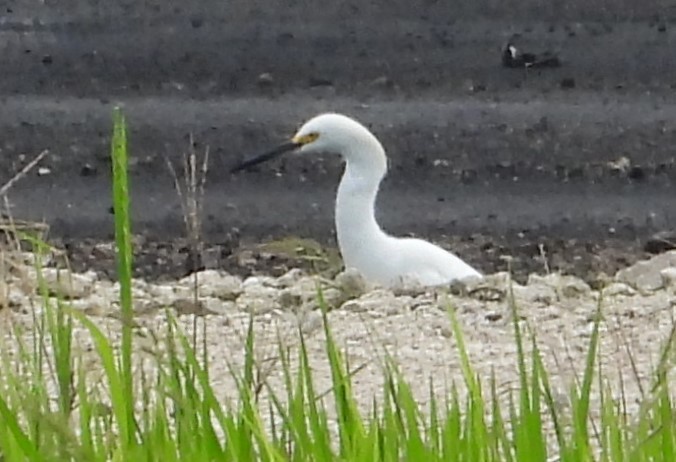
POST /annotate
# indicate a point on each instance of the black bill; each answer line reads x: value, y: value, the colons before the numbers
x: 278, y: 151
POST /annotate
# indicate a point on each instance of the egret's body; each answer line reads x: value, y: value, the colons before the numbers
x: 379, y: 257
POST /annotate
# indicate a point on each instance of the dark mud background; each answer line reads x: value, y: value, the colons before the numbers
x: 486, y: 160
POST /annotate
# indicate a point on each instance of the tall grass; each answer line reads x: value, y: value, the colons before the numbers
x: 121, y: 202
x: 52, y: 407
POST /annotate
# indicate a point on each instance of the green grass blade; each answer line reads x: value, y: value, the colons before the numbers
x: 10, y: 421
x: 121, y: 199
x: 119, y: 398
x: 350, y: 423
x: 581, y: 401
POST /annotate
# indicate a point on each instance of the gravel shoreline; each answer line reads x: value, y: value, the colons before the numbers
x: 411, y: 325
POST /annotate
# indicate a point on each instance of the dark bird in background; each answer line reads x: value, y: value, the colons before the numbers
x: 512, y: 57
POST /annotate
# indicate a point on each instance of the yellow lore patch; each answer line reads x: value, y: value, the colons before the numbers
x: 305, y: 139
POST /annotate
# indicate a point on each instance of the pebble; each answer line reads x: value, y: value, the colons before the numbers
x: 382, y: 302
x: 564, y: 285
x: 258, y: 281
x: 213, y: 283
x: 288, y: 299
x: 291, y: 277
x: 164, y: 294
x: 32, y: 259
x: 257, y: 304
x: 311, y: 322
x: 95, y: 305
x: 11, y: 296
x: 219, y: 306
x: 350, y: 283
x: 66, y: 284
x: 536, y: 293
x: 189, y: 306
x: 645, y: 275
x: 668, y: 276
x: 618, y: 288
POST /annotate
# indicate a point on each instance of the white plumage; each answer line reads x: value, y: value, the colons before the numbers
x: 379, y: 257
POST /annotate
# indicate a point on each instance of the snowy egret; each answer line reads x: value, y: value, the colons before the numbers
x: 380, y: 258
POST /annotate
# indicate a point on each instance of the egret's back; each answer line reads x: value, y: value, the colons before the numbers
x: 429, y: 265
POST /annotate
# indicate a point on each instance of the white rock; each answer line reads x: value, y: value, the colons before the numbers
x: 566, y: 286
x: 219, y: 284
x: 500, y: 280
x: 380, y: 301
x: 572, y: 287
x: 150, y: 305
x: 492, y: 287
x: 263, y: 281
x: 409, y: 286
x: 14, y: 296
x: 351, y: 283
x: 311, y: 322
x: 646, y: 275
x: 106, y: 285
x: 307, y: 287
x: 668, y: 276
x: 69, y: 285
x: 139, y: 285
x: 94, y: 305
x: 354, y: 306
x: 257, y: 305
x: 333, y: 297
x: 617, y: 288
x: 219, y: 306
x: 536, y: 279
x: 424, y: 300
x: 32, y: 259
x: 139, y: 288
x: 290, y: 299
x: 189, y: 306
x: 290, y: 278
x: 485, y: 289
x: 259, y: 296
x: 184, y: 292
x: 305, y: 293
x: 537, y: 293
x: 258, y: 291
x: 163, y: 294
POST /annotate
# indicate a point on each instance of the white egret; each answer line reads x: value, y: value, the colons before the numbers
x: 380, y: 258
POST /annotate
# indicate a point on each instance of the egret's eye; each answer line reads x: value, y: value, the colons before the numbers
x: 306, y: 139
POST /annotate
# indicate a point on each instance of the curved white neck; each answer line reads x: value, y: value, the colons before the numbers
x: 356, y: 225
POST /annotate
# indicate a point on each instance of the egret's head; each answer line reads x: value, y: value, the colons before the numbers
x: 333, y: 133
x: 329, y: 132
